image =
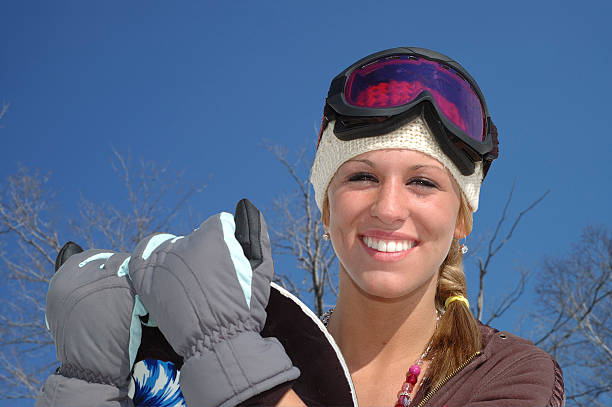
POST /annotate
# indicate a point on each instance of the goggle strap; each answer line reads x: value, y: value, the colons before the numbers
x: 453, y: 151
x: 370, y: 128
x: 328, y: 116
x: 493, y: 154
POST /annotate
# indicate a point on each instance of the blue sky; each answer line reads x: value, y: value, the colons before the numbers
x: 201, y: 84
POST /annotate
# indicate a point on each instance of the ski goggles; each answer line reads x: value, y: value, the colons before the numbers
x: 381, y: 92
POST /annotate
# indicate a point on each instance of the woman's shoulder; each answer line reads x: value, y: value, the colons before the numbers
x: 512, y: 363
x: 500, y: 346
x: 509, y: 371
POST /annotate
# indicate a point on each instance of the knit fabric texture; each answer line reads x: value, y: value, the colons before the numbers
x: 415, y: 135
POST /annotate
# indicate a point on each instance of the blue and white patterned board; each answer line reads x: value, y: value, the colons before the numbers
x: 156, y: 384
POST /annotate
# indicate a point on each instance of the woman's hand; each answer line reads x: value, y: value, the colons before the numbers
x: 207, y: 292
x: 91, y: 308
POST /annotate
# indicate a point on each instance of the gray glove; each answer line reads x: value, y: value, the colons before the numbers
x: 208, y: 292
x: 93, y: 315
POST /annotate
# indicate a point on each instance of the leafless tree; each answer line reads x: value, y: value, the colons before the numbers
x: 575, y: 298
x: 29, y: 243
x: 297, y: 230
x: 146, y: 191
x: 493, y: 245
x: 32, y: 231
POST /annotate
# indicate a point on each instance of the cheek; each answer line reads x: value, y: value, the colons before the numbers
x: 437, y: 222
x: 346, y: 209
x: 343, y: 209
x: 340, y: 215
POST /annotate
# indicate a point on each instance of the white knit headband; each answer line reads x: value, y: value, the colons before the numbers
x: 415, y: 135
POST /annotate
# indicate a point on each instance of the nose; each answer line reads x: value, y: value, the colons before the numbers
x: 391, y: 203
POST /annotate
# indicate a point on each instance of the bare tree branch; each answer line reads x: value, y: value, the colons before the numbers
x: 31, y: 228
x: 509, y: 298
x: 27, y: 256
x: 4, y: 109
x: 493, y: 247
x: 298, y: 230
x: 574, y: 299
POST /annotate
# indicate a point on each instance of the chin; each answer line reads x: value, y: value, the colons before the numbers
x: 388, y: 285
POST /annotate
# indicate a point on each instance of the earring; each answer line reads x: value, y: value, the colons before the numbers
x: 463, y: 247
x: 325, y: 236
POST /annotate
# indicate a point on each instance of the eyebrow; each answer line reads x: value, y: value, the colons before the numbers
x: 367, y: 162
x: 414, y: 167
x: 419, y: 166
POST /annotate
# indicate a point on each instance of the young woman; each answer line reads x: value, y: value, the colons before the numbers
x: 405, y: 144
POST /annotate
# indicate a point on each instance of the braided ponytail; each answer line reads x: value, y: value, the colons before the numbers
x: 457, y: 337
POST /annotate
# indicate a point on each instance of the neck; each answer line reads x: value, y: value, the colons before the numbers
x: 374, y: 331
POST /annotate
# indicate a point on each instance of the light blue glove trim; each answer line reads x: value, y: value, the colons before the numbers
x: 154, y: 242
x: 136, y: 329
x: 95, y: 257
x: 123, y: 269
x: 241, y: 263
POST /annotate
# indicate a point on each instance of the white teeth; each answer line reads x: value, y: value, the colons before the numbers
x: 389, y: 246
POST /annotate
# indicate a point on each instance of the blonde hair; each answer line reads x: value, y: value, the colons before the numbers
x: 457, y: 336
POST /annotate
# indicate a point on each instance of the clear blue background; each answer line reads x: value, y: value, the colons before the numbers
x: 201, y: 84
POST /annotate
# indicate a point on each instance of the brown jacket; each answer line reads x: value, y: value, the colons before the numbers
x: 509, y: 372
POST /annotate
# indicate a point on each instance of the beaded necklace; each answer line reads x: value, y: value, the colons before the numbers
x: 412, y: 376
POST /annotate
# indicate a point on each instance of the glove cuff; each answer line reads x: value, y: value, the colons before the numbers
x: 76, y: 372
x: 62, y: 391
x: 235, y: 370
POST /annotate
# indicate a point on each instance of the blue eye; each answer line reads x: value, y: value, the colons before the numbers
x: 362, y: 176
x: 422, y: 182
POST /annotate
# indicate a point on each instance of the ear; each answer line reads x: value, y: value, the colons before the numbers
x: 325, y: 213
x: 460, y: 229
x: 459, y: 233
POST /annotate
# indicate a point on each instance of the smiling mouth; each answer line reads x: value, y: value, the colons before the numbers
x: 389, y: 246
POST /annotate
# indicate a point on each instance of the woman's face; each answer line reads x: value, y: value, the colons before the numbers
x: 393, y: 214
